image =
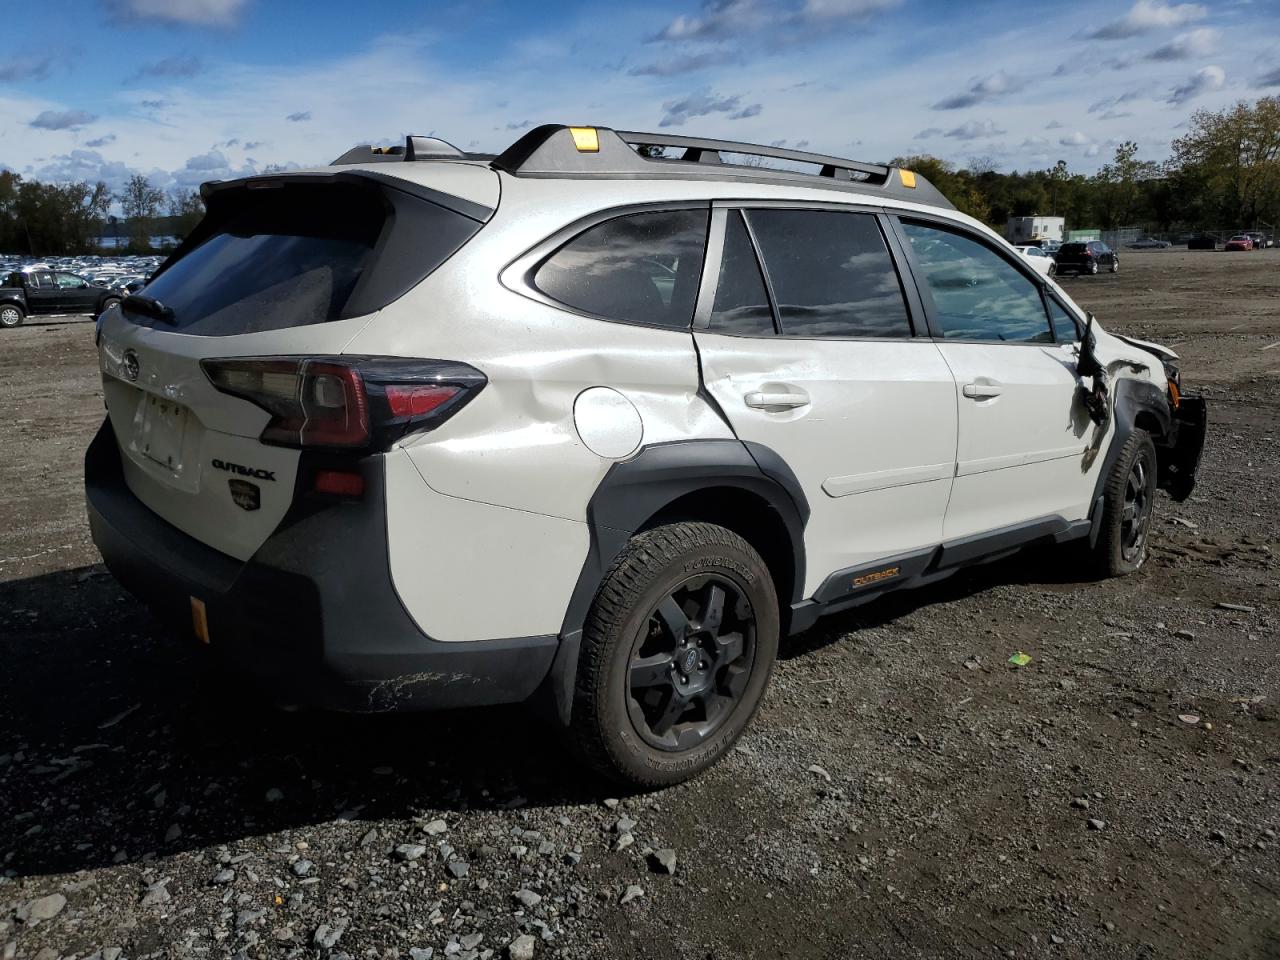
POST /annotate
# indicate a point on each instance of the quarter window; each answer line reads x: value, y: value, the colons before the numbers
x: 741, y: 305
x: 831, y: 274
x: 978, y: 294
x: 641, y: 268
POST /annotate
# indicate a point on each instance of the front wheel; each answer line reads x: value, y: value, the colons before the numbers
x: 1115, y: 265
x: 676, y: 653
x: 10, y: 316
x: 1128, y: 505
x: 108, y: 303
x: 1053, y: 269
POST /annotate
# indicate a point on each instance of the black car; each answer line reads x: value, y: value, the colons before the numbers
x: 1086, y: 257
x: 27, y: 292
x: 1202, y: 241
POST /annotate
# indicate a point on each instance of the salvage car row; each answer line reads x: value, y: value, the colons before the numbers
x: 68, y: 285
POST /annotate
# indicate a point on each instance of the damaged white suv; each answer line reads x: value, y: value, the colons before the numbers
x: 596, y: 426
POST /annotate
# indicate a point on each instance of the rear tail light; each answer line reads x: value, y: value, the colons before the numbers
x: 362, y: 404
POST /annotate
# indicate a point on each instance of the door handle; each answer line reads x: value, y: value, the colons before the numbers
x: 790, y: 401
x: 982, y: 391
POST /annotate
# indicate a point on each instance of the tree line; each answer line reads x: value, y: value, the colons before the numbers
x: 62, y: 219
x: 1224, y: 172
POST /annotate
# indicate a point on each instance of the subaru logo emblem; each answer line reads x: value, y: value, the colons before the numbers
x: 130, y: 365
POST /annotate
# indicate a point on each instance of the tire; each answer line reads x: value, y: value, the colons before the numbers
x: 1128, y: 505
x: 1053, y: 270
x: 11, y: 316
x: 1093, y: 268
x: 107, y: 304
x: 657, y: 700
x: 1115, y: 265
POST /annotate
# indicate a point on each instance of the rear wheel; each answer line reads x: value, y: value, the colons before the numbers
x: 1093, y: 268
x: 10, y: 315
x: 1053, y: 269
x: 676, y: 654
x: 1128, y: 506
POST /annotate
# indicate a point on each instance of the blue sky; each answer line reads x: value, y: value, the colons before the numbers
x: 191, y: 90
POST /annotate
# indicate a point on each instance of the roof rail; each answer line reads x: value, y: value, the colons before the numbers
x: 555, y: 150
x: 415, y: 148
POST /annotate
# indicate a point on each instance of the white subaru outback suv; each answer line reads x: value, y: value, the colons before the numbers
x: 591, y: 426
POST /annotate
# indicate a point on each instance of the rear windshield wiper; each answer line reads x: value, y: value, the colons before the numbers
x: 148, y: 307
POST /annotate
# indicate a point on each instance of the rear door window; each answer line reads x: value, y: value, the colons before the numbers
x: 638, y: 268
x: 831, y: 274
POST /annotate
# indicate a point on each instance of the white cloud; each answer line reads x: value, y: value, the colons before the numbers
x: 676, y: 112
x: 985, y: 88
x: 192, y: 13
x: 975, y: 129
x: 1074, y: 139
x: 1187, y: 46
x: 1204, y: 80
x: 62, y: 120
x: 1147, y: 16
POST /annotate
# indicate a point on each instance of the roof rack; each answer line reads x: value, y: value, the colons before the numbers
x: 556, y: 150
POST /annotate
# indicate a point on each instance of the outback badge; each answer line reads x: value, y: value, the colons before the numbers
x: 246, y: 495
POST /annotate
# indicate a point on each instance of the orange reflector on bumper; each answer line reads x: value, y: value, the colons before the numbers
x: 586, y: 139
x: 199, y: 620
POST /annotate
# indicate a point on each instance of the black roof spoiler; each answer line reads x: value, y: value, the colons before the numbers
x: 414, y: 148
x: 556, y: 150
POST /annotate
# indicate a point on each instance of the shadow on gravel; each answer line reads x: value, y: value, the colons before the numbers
x: 113, y: 733
x: 1033, y: 565
x: 120, y: 742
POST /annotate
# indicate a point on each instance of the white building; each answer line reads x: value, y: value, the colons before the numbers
x: 1020, y: 230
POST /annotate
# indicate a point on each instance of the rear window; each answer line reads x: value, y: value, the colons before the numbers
x: 303, y: 254
x: 1071, y: 248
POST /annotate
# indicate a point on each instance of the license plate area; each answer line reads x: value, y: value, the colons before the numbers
x: 159, y: 428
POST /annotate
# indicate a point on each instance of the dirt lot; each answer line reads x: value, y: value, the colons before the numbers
x: 903, y: 793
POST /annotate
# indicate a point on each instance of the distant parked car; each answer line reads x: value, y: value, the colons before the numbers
x: 1260, y: 240
x: 1148, y: 243
x: 1087, y: 256
x: 1241, y: 241
x: 1039, y: 259
x: 1202, y: 241
x: 27, y: 292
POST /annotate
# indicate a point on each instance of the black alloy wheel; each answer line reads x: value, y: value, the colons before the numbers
x: 1139, y: 499
x: 690, y: 663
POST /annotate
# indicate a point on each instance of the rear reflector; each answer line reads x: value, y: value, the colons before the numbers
x: 359, y: 404
x: 339, y: 483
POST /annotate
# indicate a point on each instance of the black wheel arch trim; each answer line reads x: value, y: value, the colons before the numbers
x: 636, y: 490
x: 1135, y: 400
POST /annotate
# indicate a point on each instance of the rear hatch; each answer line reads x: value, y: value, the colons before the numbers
x: 1071, y: 253
x: 288, y: 266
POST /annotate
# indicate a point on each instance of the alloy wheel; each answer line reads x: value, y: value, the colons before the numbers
x: 1135, y: 518
x: 690, y: 663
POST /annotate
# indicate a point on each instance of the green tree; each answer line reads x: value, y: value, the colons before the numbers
x: 1227, y: 166
x: 140, y: 202
x: 186, y: 207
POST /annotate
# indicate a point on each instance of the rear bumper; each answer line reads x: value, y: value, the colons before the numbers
x: 313, y: 616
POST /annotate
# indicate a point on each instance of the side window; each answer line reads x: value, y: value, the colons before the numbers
x: 978, y: 294
x: 42, y: 279
x: 742, y: 305
x: 69, y: 281
x: 642, y: 268
x: 831, y: 274
x: 1065, y: 329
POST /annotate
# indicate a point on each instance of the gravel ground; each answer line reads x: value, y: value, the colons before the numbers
x: 904, y: 792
